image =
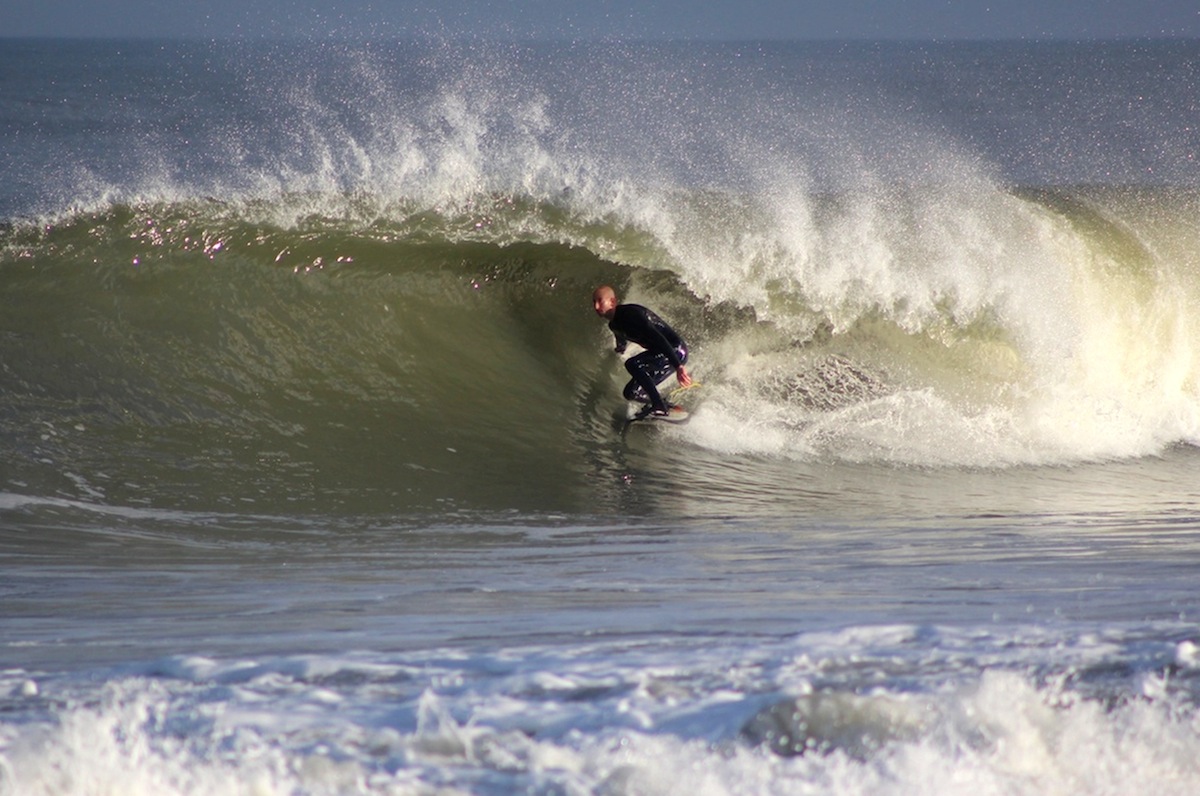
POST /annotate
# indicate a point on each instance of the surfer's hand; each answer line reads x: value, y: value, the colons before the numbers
x: 684, y: 379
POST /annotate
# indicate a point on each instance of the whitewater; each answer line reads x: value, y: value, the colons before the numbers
x: 315, y: 476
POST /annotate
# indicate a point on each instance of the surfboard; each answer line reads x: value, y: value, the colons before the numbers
x: 677, y: 415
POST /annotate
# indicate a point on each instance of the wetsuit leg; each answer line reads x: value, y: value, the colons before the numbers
x: 648, y: 370
x: 644, y: 367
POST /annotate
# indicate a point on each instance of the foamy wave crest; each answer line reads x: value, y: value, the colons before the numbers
x: 975, y: 327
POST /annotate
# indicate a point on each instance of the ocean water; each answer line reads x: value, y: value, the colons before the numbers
x: 314, y: 470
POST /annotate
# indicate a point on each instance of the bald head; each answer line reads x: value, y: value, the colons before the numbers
x: 604, y: 299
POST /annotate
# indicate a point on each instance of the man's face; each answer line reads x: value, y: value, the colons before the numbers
x: 605, y: 302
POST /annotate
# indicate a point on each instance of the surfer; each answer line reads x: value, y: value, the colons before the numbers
x: 665, y: 350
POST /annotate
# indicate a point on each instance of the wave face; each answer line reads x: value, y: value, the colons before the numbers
x: 365, y: 280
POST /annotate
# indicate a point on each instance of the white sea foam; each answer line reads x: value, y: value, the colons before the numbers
x: 863, y: 710
x: 996, y: 331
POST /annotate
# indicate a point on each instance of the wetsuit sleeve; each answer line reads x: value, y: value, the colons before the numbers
x: 621, y: 342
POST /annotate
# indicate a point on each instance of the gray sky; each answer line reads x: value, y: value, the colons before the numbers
x: 625, y: 19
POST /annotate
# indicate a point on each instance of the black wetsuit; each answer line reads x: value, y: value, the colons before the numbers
x: 665, y: 351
